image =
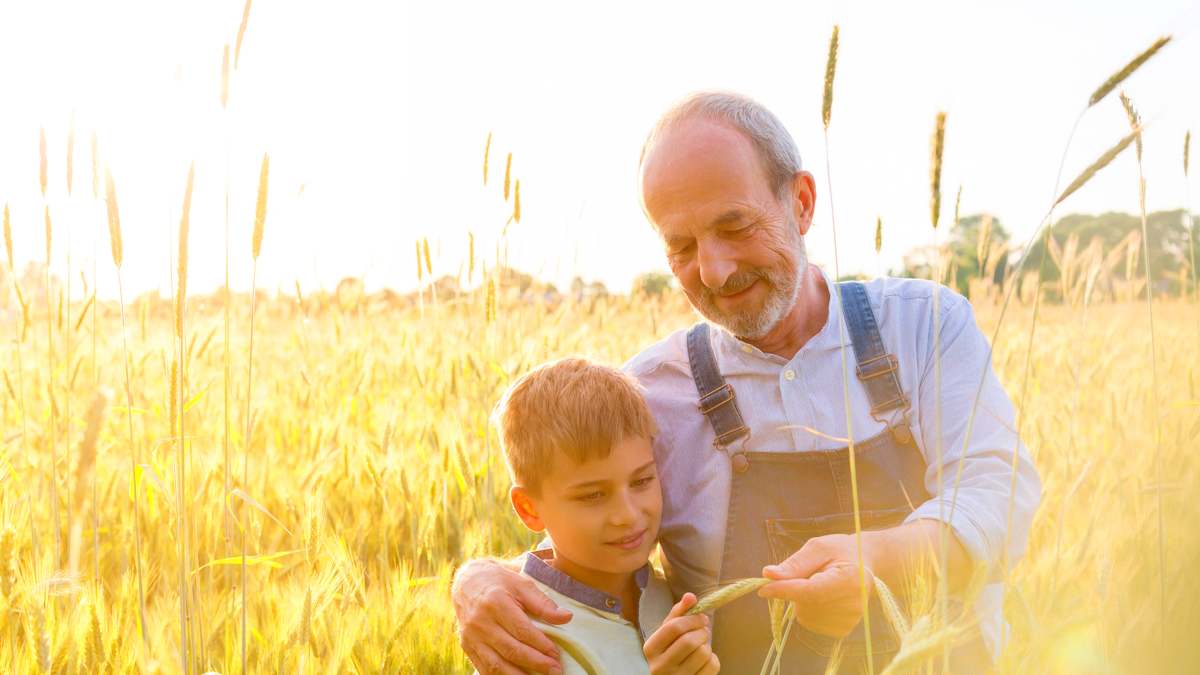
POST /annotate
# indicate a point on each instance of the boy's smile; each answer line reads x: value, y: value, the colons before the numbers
x: 602, y: 515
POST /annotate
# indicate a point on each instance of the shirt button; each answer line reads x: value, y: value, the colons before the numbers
x: 610, y: 603
x: 789, y: 374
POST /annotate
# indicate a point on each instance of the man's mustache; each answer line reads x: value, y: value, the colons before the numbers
x: 736, y: 283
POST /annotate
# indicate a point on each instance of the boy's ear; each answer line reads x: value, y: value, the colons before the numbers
x: 525, y: 508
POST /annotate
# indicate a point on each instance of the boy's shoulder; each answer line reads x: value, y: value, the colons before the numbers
x: 597, y: 636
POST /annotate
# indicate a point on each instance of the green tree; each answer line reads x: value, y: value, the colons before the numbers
x: 652, y: 284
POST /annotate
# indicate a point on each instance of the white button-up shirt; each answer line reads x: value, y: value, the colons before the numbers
x: 798, y: 405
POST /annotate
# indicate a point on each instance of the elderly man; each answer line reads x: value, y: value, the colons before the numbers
x: 757, y: 416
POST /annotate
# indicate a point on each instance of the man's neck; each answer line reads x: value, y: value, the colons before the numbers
x: 804, y: 320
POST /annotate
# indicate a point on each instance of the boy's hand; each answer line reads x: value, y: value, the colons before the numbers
x: 492, y: 603
x: 681, y: 645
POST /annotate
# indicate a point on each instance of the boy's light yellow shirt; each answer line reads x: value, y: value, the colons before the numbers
x: 598, y: 640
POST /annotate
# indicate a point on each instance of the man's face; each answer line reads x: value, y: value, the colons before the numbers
x: 734, y: 245
x: 602, y: 515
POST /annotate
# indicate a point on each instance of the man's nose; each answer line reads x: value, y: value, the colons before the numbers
x: 716, y: 264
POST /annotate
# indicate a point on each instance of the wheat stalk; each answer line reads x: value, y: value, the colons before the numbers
x: 52, y: 432
x: 241, y: 33
x: 516, y: 214
x: 8, y: 241
x: 8, y: 562
x: 71, y: 155
x: 878, y: 233
x: 184, y: 222
x: 84, y: 467
x: 1103, y: 161
x: 225, y: 77
x: 470, y: 257
x: 95, y: 167
x: 43, y: 167
x: 93, y: 644
x: 260, y: 207
x: 830, y: 70
x: 487, y: 148
x: 507, y: 174
x: 260, y: 217
x: 42, y: 638
x: 1135, y: 123
x: 1129, y: 68
x: 936, y: 145
x: 726, y: 594
x: 842, y: 337
x: 114, y: 232
x: 114, y: 220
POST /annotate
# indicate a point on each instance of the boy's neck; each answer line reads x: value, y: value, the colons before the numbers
x: 622, y: 586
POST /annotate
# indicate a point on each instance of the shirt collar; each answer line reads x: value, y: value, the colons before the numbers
x: 829, y: 337
x: 537, y: 567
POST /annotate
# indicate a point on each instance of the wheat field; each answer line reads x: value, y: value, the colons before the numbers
x: 286, y: 483
x: 371, y: 473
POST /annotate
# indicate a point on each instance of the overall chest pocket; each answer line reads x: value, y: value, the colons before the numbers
x: 786, y: 536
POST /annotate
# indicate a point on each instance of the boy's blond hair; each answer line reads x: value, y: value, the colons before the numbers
x: 571, y: 406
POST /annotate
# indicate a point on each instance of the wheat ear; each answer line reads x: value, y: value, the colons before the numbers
x: 727, y: 594
x: 1129, y: 68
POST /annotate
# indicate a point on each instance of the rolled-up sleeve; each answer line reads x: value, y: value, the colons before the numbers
x: 977, y: 438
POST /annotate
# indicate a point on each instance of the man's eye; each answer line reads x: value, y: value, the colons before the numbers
x: 643, y: 482
x: 676, y: 251
x: 590, y: 497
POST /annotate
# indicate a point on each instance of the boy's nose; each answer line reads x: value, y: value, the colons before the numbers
x: 624, y: 510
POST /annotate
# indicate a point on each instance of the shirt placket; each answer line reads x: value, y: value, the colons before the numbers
x: 795, y: 404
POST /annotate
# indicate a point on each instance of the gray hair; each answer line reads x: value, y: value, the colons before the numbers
x: 775, y: 146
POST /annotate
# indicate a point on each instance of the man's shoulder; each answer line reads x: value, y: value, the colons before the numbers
x: 899, y: 301
x: 668, y: 355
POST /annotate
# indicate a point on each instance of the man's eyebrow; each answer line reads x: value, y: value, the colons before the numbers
x: 730, y: 216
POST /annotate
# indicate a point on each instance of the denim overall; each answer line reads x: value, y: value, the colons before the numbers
x: 779, y: 500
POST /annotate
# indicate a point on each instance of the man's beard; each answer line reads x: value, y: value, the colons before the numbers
x: 783, y: 290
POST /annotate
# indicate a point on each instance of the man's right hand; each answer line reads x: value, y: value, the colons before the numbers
x: 494, y: 605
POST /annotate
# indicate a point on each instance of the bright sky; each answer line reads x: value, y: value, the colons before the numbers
x: 375, y: 115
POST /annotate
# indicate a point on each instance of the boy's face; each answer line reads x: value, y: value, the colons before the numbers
x: 602, y: 515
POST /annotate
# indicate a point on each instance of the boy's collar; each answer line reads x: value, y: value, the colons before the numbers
x: 537, y: 568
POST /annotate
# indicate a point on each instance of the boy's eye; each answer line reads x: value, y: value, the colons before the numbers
x: 642, y: 482
x: 590, y: 497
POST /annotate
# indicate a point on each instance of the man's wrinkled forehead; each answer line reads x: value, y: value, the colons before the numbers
x: 696, y: 154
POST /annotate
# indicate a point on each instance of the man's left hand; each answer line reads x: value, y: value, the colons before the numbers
x: 822, y: 579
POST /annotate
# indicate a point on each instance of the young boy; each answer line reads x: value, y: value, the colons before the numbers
x: 577, y: 438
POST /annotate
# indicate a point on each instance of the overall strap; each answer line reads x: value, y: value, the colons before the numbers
x: 876, y: 368
x: 717, y: 400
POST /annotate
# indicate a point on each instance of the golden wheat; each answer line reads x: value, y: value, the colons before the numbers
x: 260, y: 207
x: 241, y: 33
x: 1128, y: 69
x: 726, y: 594
x: 936, y: 146
x: 114, y: 219
x: 830, y: 70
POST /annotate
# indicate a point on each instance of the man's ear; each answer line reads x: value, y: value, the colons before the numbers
x: 526, y: 510
x: 804, y: 200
